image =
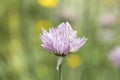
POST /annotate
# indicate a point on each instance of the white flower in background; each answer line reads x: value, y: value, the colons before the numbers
x: 107, y: 19
x: 106, y: 36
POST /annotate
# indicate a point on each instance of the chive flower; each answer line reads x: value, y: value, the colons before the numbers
x: 62, y: 40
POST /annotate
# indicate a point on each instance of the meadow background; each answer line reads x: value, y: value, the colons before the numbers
x: 23, y: 58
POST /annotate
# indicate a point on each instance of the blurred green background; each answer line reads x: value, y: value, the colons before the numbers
x: 23, y: 58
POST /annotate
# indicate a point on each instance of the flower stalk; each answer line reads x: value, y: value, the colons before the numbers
x: 61, y: 41
x: 59, y: 67
x: 60, y: 71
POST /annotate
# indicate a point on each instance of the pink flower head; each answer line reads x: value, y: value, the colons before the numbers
x: 62, y: 40
x: 115, y: 56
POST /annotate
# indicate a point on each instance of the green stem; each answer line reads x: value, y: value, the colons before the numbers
x: 59, y: 67
x: 60, y: 71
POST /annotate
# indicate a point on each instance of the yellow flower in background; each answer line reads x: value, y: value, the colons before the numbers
x: 74, y: 61
x: 46, y: 24
x: 109, y: 2
x: 48, y: 3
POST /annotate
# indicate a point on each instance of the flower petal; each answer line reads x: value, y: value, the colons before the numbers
x: 77, y: 44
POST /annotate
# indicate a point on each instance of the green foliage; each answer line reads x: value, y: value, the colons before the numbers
x: 23, y: 58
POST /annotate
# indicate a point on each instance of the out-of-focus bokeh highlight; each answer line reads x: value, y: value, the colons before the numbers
x: 23, y: 58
